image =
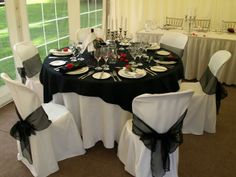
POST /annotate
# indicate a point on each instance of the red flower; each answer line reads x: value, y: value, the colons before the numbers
x: 65, y: 50
x: 123, y: 55
x: 69, y: 65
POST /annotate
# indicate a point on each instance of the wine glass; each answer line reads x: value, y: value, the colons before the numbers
x: 133, y: 52
x: 98, y: 56
x: 105, y: 50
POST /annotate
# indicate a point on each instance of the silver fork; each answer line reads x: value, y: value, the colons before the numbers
x: 113, y: 77
x: 116, y: 75
x: 86, y: 75
x: 150, y: 71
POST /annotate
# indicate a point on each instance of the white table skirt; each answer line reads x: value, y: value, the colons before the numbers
x: 96, y: 119
x: 199, y: 50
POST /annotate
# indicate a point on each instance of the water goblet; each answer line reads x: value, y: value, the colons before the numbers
x: 97, y: 56
x: 105, y: 55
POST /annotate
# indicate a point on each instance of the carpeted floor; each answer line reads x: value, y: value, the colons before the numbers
x: 209, y: 155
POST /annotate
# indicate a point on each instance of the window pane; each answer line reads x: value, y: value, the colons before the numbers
x: 49, y: 10
x: 92, y: 5
x: 62, y: 8
x: 84, y: 21
x: 51, y: 31
x: 36, y: 31
x: 83, y: 6
x: 99, y: 4
x: 90, y: 13
x: 92, y: 19
x: 33, y: 10
x: 6, y: 59
x: 63, y: 27
x: 51, y: 26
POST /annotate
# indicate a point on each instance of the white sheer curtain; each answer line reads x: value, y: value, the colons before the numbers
x: 138, y: 12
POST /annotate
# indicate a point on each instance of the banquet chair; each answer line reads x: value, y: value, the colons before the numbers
x: 202, y: 24
x: 154, y: 116
x: 57, y: 139
x: 202, y: 110
x: 174, y: 42
x: 28, y: 64
x: 82, y: 34
x: 85, y: 38
x: 174, y: 22
x: 228, y: 24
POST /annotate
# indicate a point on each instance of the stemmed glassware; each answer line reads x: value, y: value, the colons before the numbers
x: 72, y: 47
x: 98, y: 56
x: 133, y: 52
x: 105, y: 50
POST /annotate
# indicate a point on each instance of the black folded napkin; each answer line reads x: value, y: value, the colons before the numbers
x: 72, y: 66
x: 166, y: 58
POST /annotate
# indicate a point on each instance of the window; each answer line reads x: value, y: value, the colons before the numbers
x: 6, y: 58
x: 48, y: 23
x: 90, y: 13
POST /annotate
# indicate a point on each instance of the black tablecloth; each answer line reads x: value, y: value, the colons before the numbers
x: 120, y: 93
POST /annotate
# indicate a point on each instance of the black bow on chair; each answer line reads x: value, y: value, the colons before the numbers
x: 161, y: 145
x: 23, y: 129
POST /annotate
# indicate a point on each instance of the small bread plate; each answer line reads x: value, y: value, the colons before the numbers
x: 163, y: 52
x: 78, y: 71
x: 57, y: 63
x: 61, y: 52
x: 165, y: 62
x: 138, y: 73
x: 158, y: 68
x: 101, y: 75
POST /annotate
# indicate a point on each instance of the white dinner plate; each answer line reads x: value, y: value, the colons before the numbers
x: 163, y: 52
x: 158, y: 68
x: 57, y: 63
x: 138, y: 73
x: 60, y: 53
x: 78, y: 71
x: 101, y: 75
x: 165, y: 62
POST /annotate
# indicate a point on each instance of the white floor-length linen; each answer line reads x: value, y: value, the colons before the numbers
x: 96, y: 119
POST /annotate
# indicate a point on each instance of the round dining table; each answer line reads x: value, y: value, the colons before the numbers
x: 102, y: 106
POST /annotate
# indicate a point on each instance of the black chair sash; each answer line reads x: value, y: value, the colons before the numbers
x: 177, y: 51
x: 161, y: 145
x: 21, y: 72
x: 211, y: 85
x: 36, y: 121
x: 32, y: 66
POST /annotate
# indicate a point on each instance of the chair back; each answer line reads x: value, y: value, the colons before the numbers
x: 202, y: 24
x: 24, y: 98
x: 82, y: 33
x: 174, y: 22
x: 24, y: 51
x: 217, y: 60
x: 174, y: 42
x: 228, y: 24
x: 161, y: 111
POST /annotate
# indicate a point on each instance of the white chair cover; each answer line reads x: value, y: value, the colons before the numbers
x: 24, y: 51
x: 174, y: 42
x: 97, y: 120
x: 201, y: 114
x: 85, y: 37
x: 160, y: 112
x: 59, y: 141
